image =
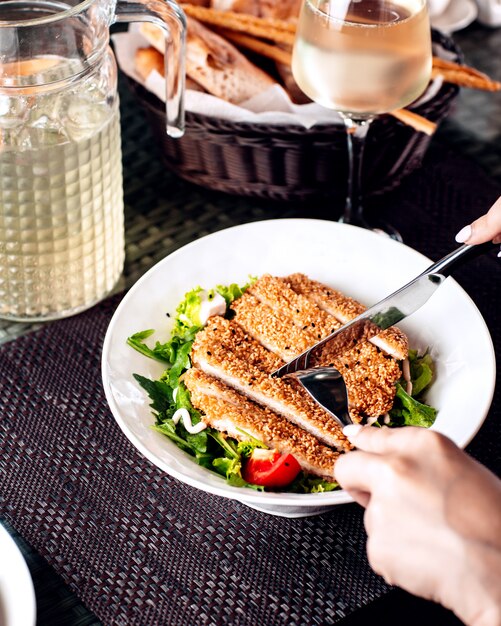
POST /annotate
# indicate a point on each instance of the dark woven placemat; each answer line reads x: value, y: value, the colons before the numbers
x: 136, y: 545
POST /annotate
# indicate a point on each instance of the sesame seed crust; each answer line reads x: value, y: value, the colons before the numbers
x: 274, y: 332
x: 288, y: 324
x: 227, y: 410
x: 231, y: 333
x: 392, y: 340
x: 302, y: 312
x: 239, y: 366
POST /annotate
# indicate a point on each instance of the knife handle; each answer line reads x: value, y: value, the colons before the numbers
x: 457, y: 258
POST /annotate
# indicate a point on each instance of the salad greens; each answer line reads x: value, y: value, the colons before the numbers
x: 409, y: 409
x: 215, y: 451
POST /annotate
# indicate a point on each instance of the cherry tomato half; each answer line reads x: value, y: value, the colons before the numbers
x: 269, y: 468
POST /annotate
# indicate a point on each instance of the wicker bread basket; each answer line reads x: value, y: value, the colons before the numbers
x: 291, y: 163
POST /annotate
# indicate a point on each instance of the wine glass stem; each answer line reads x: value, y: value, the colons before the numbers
x: 356, y: 132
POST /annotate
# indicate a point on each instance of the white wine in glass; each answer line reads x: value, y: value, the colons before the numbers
x: 362, y: 58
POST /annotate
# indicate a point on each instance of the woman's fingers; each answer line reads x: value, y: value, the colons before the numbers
x: 382, y: 440
x: 385, y: 456
x: 484, y: 228
x: 357, y: 472
x: 361, y: 497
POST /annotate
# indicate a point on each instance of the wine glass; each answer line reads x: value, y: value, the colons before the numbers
x: 362, y: 58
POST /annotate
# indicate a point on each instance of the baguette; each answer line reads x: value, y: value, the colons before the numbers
x: 220, y: 69
x: 279, y: 31
x: 255, y: 19
x: 149, y: 59
x: 282, y: 10
x: 153, y: 35
x: 269, y: 51
x: 467, y: 79
x: 444, y: 64
x: 415, y: 121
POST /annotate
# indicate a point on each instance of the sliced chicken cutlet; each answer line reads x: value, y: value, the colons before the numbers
x: 280, y: 319
x: 287, y: 323
x: 274, y: 332
x: 223, y: 350
x: 231, y: 412
x: 392, y: 341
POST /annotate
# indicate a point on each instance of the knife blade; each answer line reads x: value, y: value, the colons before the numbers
x: 389, y: 311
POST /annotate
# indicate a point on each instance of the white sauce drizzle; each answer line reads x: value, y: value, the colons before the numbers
x: 183, y: 414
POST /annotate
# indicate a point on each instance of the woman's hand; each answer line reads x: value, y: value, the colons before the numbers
x: 486, y: 228
x: 433, y: 517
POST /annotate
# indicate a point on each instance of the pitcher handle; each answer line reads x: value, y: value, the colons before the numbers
x: 168, y: 16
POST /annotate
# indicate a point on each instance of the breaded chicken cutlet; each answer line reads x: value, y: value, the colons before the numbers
x: 275, y: 320
x: 231, y: 412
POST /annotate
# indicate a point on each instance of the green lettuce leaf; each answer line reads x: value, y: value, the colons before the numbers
x: 161, y: 352
x: 407, y: 411
x: 311, y: 484
x: 168, y: 428
x: 188, y: 311
x: 160, y: 393
x: 234, y: 291
x: 230, y: 465
x: 422, y: 370
x: 247, y: 447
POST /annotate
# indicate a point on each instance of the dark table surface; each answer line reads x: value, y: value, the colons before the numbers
x: 473, y: 129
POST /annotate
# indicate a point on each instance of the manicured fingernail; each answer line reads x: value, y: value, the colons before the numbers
x: 464, y: 234
x: 352, y: 430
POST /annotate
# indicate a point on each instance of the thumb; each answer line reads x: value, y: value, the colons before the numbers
x: 484, y: 228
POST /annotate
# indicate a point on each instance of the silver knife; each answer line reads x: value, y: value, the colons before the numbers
x: 389, y: 311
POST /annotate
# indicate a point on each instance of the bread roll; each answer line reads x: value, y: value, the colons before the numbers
x: 149, y: 59
x: 215, y: 64
x: 154, y: 35
x: 220, y: 68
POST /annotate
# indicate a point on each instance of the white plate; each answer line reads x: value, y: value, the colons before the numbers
x: 17, y: 595
x: 457, y: 15
x: 356, y: 261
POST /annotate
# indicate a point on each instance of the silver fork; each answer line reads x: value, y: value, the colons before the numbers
x: 327, y: 387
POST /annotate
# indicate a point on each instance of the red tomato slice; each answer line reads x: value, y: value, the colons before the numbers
x: 269, y: 468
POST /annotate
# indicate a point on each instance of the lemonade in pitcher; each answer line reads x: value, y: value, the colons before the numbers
x: 61, y: 198
x: 61, y: 201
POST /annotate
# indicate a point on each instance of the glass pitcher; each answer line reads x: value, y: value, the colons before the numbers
x: 61, y: 198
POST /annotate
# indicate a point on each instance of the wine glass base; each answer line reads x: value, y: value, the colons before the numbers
x: 386, y: 230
